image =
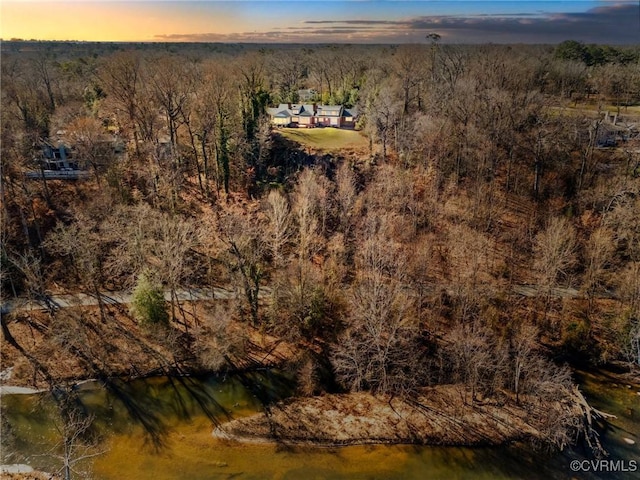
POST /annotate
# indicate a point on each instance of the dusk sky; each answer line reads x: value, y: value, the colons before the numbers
x: 351, y: 21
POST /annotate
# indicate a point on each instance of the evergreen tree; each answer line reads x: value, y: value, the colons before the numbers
x: 148, y: 304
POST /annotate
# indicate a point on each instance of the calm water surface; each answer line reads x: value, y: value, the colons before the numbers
x: 161, y: 429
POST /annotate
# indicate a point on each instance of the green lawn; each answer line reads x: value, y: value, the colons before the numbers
x: 592, y: 109
x: 630, y: 110
x: 325, y: 138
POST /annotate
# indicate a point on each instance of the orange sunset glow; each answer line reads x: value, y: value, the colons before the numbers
x: 291, y: 21
x: 103, y: 21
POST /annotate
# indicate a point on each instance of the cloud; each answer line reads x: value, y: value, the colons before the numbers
x: 222, y: 37
x: 615, y: 24
x: 618, y: 23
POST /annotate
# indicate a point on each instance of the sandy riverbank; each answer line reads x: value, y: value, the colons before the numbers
x: 436, y: 417
x: 24, y: 472
x: 15, y: 390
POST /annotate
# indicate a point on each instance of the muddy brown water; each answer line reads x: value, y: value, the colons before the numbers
x: 160, y: 428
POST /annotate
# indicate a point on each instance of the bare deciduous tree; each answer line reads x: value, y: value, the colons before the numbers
x: 623, y: 217
x: 345, y: 194
x: 92, y: 146
x: 83, y: 243
x: 554, y: 253
x: 468, y: 260
x: 522, y: 346
x: 76, y: 444
x: 120, y: 76
x: 629, y: 288
x: 380, y: 349
x: 279, y: 228
x: 310, y: 205
x: 476, y: 360
x: 30, y: 267
x: 598, y: 252
x: 242, y: 235
x: 382, y: 118
x: 172, y: 81
x: 176, y: 239
x: 218, y: 338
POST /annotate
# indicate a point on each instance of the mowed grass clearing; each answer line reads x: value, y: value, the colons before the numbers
x: 325, y: 138
x: 595, y: 111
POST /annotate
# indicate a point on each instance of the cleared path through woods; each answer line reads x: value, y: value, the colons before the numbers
x: 56, y: 302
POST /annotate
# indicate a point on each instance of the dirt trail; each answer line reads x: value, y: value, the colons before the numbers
x: 56, y: 302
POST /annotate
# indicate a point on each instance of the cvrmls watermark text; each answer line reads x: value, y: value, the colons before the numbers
x: 604, y: 466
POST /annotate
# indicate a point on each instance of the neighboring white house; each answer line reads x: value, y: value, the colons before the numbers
x: 612, y: 130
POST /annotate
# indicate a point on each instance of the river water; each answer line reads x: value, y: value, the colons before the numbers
x: 160, y: 429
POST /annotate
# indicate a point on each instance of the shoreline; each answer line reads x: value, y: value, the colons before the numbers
x: 21, y: 471
x: 222, y: 436
x: 18, y: 390
x: 80, y: 383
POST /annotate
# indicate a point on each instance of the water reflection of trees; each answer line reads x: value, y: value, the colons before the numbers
x: 153, y: 403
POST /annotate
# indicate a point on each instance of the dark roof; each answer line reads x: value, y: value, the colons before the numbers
x: 352, y: 112
x: 330, y: 110
x: 308, y: 110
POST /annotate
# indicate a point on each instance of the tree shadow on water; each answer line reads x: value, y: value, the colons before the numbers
x: 267, y: 386
x: 142, y: 409
x: 189, y: 392
x: 154, y: 403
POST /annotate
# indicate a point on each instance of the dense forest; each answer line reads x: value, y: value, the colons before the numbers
x: 486, y: 234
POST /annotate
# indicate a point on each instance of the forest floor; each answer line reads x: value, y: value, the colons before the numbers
x: 78, y: 344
